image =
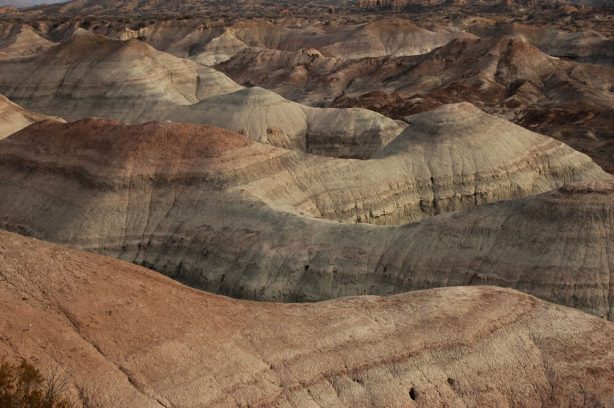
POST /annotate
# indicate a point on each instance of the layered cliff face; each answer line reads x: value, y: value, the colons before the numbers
x: 219, y: 212
x: 135, y: 338
x: 13, y: 117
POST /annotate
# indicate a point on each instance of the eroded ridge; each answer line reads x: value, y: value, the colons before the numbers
x: 217, y: 211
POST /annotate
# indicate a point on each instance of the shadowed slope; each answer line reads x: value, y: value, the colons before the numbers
x: 212, y: 209
x: 139, y: 339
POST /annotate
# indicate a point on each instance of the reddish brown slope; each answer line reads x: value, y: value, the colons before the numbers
x: 139, y: 339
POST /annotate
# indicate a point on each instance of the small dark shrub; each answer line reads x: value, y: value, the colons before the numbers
x: 23, y: 386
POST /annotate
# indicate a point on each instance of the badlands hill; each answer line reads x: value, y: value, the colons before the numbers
x: 220, y: 212
x: 90, y: 75
x: 136, y: 338
x: 502, y: 73
x: 18, y: 40
x: 502, y: 67
x: 586, y: 45
x: 587, y: 39
x: 528, y: 73
x: 194, y: 39
x: 14, y: 117
x: 569, y: 101
x: 506, y: 73
x: 212, y: 41
x: 446, y: 160
x: 267, y: 117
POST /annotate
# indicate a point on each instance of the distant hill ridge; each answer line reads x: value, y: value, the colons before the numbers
x: 261, y: 7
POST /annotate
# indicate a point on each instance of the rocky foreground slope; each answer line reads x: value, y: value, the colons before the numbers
x: 220, y: 212
x: 134, y: 338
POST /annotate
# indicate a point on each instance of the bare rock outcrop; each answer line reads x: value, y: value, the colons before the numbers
x: 139, y: 339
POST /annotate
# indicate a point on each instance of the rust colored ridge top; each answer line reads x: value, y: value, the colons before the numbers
x: 510, y: 44
x: 518, y: 48
x: 154, y: 140
x: 604, y: 187
x: 93, y: 45
x: 140, y: 339
x: 109, y: 148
